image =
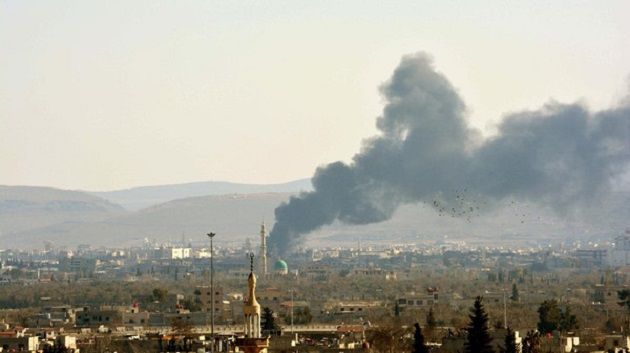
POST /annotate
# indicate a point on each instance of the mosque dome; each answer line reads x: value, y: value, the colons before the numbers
x: 281, y: 267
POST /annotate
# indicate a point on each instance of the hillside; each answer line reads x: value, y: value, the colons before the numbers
x: 146, y: 196
x: 237, y: 217
x: 507, y: 223
x: 24, y: 208
x: 232, y: 217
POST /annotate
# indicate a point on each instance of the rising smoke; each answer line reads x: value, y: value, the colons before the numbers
x: 560, y: 155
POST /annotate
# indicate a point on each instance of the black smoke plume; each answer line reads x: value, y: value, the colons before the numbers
x: 560, y: 155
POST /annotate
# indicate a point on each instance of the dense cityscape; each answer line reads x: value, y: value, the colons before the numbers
x: 160, y: 297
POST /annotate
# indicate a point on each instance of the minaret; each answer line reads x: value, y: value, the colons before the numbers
x: 253, y: 342
x: 251, y: 308
x: 263, y: 249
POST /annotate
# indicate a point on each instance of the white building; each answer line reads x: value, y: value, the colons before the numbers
x: 173, y: 253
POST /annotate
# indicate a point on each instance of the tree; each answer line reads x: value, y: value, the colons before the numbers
x: 304, y: 316
x: 159, y: 294
x: 192, y: 305
x: 301, y: 316
x: 552, y: 318
x: 531, y: 342
x: 510, y: 345
x: 268, y: 322
x: 389, y: 336
x: 478, y: 338
x: 568, y: 321
x: 57, y: 347
x: 624, y: 298
x: 181, y: 326
x: 431, y: 324
x: 515, y: 295
x: 418, y: 341
x: 549, y: 316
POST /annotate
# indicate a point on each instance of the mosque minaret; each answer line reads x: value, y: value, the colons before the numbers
x: 253, y: 342
x: 263, y: 250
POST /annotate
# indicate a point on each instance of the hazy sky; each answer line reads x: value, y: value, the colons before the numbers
x: 113, y: 94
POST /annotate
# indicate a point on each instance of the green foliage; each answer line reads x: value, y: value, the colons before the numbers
x: 389, y: 337
x: 515, y: 295
x: 268, y: 322
x: 303, y: 316
x: 478, y: 338
x: 300, y: 316
x: 531, y: 342
x: 418, y: 340
x: 181, y: 326
x: 191, y: 304
x: 492, y: 277
x: 431, y: 322
x: 568, y: 321
x: 548, y: 316
x: 510, y: 345
x: 57, y: 347
x: 159, y: 294
x: 551, y: 318
x: 624, y: 298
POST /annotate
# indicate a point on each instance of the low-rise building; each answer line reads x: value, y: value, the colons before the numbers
x: 102, y: 316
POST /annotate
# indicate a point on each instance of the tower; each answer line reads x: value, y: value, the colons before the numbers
x: 253, y: 342
x: 263, y: 249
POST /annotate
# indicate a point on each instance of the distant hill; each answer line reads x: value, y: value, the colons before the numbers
x: 24, y: 208
x: 145, y: 196
x: 508, y: 223
x: 71, y: 218
x: 232, y: 217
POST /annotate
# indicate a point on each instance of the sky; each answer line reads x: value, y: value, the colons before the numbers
x: 103, y: 95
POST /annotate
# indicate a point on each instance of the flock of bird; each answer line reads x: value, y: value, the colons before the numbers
x: 462, y: 205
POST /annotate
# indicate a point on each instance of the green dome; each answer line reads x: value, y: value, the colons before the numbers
x: 280, y: 265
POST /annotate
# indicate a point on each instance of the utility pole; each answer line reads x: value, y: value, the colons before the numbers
x: 505, y: 325
x: 291, y: 312
x: 211, y: 235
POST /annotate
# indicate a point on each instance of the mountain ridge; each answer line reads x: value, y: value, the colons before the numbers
x: 69, y: 218
x: 140, y: 197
